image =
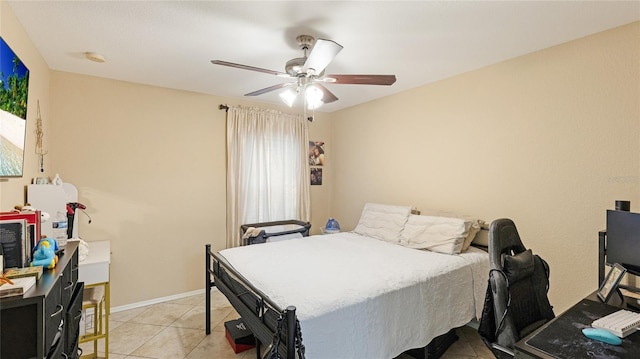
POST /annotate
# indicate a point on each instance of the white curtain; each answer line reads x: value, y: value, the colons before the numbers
x: 267, y: 168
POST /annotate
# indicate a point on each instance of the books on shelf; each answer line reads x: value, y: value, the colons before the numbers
x: 28, y: 235
x: 24, y: 272
x: 33, y: 219
x: 15, y: 244
x: 19, y: 286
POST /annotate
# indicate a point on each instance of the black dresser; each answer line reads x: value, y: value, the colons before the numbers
x: 44, y: 322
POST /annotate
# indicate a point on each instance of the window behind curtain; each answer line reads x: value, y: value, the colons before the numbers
x: 267, y: 168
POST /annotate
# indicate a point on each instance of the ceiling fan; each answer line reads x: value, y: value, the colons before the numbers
x: 308, y: 71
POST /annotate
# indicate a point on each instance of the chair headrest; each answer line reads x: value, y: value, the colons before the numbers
x: 518, y: 266
x: 503, y: 239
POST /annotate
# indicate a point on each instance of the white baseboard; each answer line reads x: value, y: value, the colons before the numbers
x: 145, y: 303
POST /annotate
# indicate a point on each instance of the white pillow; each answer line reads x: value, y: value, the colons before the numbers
x: 473, y: 225
x: 381, y: 221
x: 438, y: 234
x: 482, y: 238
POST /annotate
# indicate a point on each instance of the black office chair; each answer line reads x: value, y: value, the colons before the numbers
x: 516, y: 302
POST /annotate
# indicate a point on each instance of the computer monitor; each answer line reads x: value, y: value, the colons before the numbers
x: 623, y: 240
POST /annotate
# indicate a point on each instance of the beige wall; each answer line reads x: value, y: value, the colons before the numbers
x: 320, y: 130
x: 12, y: 190
x: 549, y: 140
x: 149, y: 164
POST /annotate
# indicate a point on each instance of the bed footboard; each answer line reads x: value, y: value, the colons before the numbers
x: 259, y: 313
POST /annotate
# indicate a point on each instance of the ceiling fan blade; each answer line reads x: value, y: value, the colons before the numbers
x: 361, y: 79
x: 269, y: 89
x: 327, y: 96
x: 247, y: 67
x: 323, y: 52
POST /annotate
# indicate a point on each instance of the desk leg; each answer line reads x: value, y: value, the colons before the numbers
x: 107, y: 310
x: 602, y: 252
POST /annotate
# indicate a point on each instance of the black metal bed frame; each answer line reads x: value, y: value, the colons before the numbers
x: 261, y: 314
x: 257, y: 310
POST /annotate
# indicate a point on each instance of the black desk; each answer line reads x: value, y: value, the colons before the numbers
x: 562, y: 337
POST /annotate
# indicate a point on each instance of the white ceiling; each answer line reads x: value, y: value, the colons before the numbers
x: 170, y: 43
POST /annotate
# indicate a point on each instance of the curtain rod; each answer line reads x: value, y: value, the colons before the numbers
x: 226, y: 108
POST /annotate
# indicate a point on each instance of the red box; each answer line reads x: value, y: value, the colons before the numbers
x: 239, y: 336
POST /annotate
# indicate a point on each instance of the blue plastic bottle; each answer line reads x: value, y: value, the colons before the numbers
x: 332, y: 226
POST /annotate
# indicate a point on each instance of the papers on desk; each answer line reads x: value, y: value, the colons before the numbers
x: 19, y: 286
x: 24, y: 272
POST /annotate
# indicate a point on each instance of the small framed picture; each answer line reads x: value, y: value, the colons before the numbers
x: 611, y: 282
x: 316, y: 176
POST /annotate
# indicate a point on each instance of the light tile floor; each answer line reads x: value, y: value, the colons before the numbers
x: 176, y: 329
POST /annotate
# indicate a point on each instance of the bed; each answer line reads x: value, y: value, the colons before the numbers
x: 368, y: 293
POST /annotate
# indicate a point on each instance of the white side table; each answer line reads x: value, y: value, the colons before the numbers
x: 94, y: 272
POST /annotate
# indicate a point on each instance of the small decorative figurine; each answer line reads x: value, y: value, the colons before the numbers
x: 45, y: 254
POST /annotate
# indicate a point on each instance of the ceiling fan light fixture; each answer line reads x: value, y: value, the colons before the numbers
x: 289, y: 96
x: 313, y: 97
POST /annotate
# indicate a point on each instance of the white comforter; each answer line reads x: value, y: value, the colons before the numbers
x: 359, y: 297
